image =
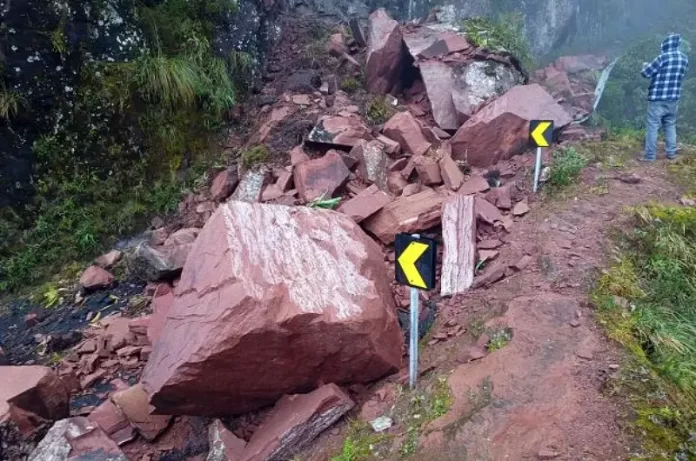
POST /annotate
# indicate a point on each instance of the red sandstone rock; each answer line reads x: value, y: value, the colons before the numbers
x: 224, y: 184
x: 406, y: 214
x: 501, y: 129
x: 459, y: 237
x: 273, y: 300
x: 386, y: 54
x: 428, y: 171
x: 160, y: 308
x: 451, y: 174
x: 94, y: 277
x: 297, y: 156
x: 447, y: 43
x: 404, y: 128
x: 321, y: 177
x: 474, y: 185
x: 365, y: 204
x: 340, y: 130
x: 133, y: 402
x: 487, y: 212
x: 295, y: 421
x: 391, y: 147
x: 32, y: 390
x: 112, y: 421
x: 106, y: 261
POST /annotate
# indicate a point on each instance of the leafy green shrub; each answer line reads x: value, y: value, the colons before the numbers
x: 503, y: 33
x: 255, y: 156
x: 350, y: 85
x: 378, y: 110
x: 566, y: 167
x: 121, y: 155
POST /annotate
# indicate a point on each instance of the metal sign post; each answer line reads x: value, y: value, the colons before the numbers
x: 413, y: 330
x: 537, y: 169
x: 540, y: 135
x: 416, y: 261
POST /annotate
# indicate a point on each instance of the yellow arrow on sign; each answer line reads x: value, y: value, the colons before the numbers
x: 538, y: 134
x: 408, y: 260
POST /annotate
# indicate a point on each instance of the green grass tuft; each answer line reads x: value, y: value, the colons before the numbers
x: 566, y: 168
x: 503, y: 33
x: 350, y: 85
x: 378, y: 110
x: 11, y: 103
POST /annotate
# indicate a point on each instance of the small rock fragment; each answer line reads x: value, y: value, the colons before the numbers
x: 94, y: 277
x: 520, y: 209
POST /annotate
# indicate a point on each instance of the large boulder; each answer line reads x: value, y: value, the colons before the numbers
x: 501, y: 129
x: 273, y: 300
x: 386, y: 53
x: 458, y: 86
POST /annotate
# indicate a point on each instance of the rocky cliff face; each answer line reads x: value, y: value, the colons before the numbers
x: 47, y: 48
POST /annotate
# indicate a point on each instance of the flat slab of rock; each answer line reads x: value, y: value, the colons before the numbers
x: 76, y: 439
x: 487, y: 212
x: 251, y: 186
x: 406, y: 214
x: 112, y: 421
x: 459, y: 240
x: 474, y: 185
x: 386, y: 53
x: 406, y: 130
x: 365, y: 204
x: 295, y: 421
x: 501, y: 129
x: 372, y: 163
x: 284, y: 297
x: 320, y: 177
x: 340, y: 130
x: 133, y: 403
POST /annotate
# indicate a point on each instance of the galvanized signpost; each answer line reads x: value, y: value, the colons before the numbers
x: 416, y: 260
x: 540, y: 135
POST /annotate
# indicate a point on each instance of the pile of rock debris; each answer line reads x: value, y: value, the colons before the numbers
x: 257, y: 302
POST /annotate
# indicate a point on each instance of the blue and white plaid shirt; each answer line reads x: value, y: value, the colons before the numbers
x: 667, y: 71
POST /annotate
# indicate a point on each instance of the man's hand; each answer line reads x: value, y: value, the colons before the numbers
x: 645, y: 64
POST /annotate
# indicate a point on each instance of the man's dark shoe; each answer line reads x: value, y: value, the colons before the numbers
x: 646, y: 160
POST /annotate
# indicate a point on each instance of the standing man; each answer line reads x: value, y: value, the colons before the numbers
x: 667, y: 75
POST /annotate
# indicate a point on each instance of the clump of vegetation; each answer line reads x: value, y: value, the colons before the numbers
x: 138, y: 134
x: 566, y: 167
x: 647, y: 302
x: 498, y: 339
x: 350, y: 85
x: 378, y: 110
x: 504, y: 33
x: 254, y: 156
x: 11, y: 102
x: 360, y: 442
x: 414, y: 409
